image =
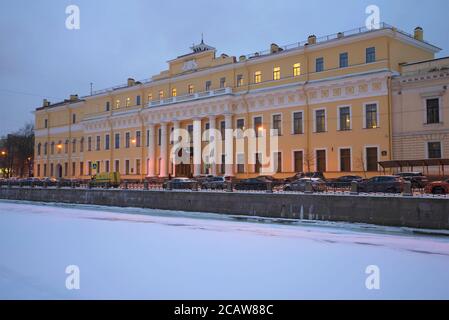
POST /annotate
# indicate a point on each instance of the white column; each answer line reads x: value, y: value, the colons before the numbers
x: 151, y: 151
x: 176, y: 126
x: 213, y: 145
x: 164, y: 151
x: 229, y: 146
x: 197, y: 152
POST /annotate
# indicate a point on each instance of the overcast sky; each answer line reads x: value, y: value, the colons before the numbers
x: 41, y: 58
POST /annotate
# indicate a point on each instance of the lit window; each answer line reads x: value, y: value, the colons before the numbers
x: 296, y: 69
x: 117, y: 104
x: 161, y: 94
x: 190, y: 88
x: 277, y: 73
x: 128, y: 102
x: 173, y: 92
x: 239, y: 80
x: 371, y: 116
x: 150, y: 97
x: 257, y: 77
x: 208, y: 85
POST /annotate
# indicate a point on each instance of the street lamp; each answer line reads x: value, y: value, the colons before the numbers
x: 3, y: 153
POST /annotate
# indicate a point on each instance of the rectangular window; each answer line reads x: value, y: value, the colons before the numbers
x: 296, y: 69
x: 45, y: 170
x: 46, y: 123
x: 239, y: 80
x: 150, y: 97
x: 208, y: 85
x: 240, y: 124
x: 276, y: 73
x: 321, y: 160
x: 73, y: 118
x: 319, y: 67
x: 89, y: 168
x: 258, y: 125
x: 82, y: 145
x: 258, y: 163
x: 345, y: 160
x: 107, y: 169
x: 370, y: 55
x: 277, y: 124
x: 117, y: 166
x: 108, y: 106
x: 190, y: 88
x: 127, y: 139
x: 89, y: 144
x: 320, y: 121
x: 117, y: 141
x: 148, y: 138
x: 371, y: 159
x: 73, y: 169
x: 128, y: 102
x: 127, y: 167
x: 97, y: 147
x: 137, y: 166
x: 81, y: 168
x: 190, y: 131
x: 138, y: 139
x: 345, y: 118
x: 240, y: 163
x: 222, y: 83
x: 137, y: 100
x: 107, y: 142
x: 223, y: 164
x: 38, y: 170
x: 159, y: 137
x: 298, y: 161
x: 257, y: 77
x: 74, y: 146
x: 371, y: 116
x: 161, y: 94
x: 434, y: 150
x: 117, y: 104
x: 433, y: 110
x: 174, y: 93
x: 297, y: 123
x: 344, y: 61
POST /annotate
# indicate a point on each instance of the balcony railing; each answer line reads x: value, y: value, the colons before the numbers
x: 191, y: 97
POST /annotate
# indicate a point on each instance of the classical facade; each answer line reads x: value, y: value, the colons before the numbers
x: 329, y: 100
x: 421, y: 113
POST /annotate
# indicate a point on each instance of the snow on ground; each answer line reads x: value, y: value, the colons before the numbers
x: 128, y: 253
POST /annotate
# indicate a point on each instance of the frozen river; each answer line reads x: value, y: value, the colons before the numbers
x: 151, y: 254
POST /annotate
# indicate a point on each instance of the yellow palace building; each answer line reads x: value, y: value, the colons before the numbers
x: 329, y: 99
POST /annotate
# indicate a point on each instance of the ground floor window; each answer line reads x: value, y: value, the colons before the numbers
x: 107, y: 169
x: 51, y: 170
x: 371, y: 159
x: 434, y: 150
x: 73, y: 169
x: 89, y: 169
x: 321, y: 160
x: 38, y: 170
x: 240, y: 163
x: 277, y: 162
x: 258, y: 164
x: 117, y: 166
x: 66, y: 169
x: 45, y: 170
x: 298, y: 161
x: 223, y: 164
x: 345, y: 160
x: 137, y: 166
x: 127, y: 167
x: 81, y: 168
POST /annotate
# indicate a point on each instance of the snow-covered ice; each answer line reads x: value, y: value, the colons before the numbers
x: 128, y: 253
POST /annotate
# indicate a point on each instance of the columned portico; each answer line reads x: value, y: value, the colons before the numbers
x: 151, y: 151
x: 213, y: 145
x: 229, y: 146
x: 197, y: 150
x: 164, y: 152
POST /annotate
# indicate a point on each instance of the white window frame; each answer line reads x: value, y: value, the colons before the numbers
x: 440, y: 109
x: 316, y: 159
x: 377, y: 114
x: 426, y: 146
x: 339, y: 159
x: 293, y: 159
x: 115, y: 168
x: 293, y: 121
x: 338, y: 116
x: 365, y: 164
x: 314, y: 119
x: 105, y: 141
x: 273, y: 159
x: 272, y: 124
x: 253, y: 122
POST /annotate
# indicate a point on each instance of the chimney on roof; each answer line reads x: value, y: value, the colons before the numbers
x: 340, y: 35
x: 419, y: 34
x: 131, y: 82
x: 311, y: 39
x: 275, y: 48
x: 46, y: 103
x: 242, y: 58
x: 73, y: 97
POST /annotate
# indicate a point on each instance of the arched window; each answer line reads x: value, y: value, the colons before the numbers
x: 73, y: 145
x: 45, y: 149
x: 82, y: 145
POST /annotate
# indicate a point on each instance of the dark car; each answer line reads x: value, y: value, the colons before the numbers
x: 301, y: 175
x: 259, y: 183
x: 387, y: 184
x: 273, y: 180
x: 180, y: 183
x: 214, y: 183
x: 318, y: 185
x: 344, y: 181
x: 417, y: 179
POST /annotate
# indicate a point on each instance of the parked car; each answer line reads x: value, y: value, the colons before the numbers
x: 180, y: 183
x: 301, y: 175
x: 417, y: 179
x: 438, y: 187
x: 273, y: 180
x: 259, y: 183
x: 344, y: 181
x: 387, y: 184
x: 318, y: 185
x: 214, y: 183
